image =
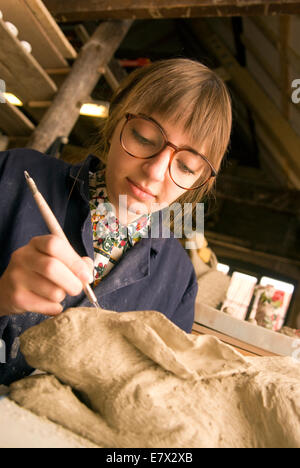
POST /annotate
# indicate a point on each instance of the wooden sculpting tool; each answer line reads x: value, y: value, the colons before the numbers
x: 54, y: 227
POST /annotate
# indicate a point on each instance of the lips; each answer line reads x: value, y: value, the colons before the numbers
x: 141, y: 189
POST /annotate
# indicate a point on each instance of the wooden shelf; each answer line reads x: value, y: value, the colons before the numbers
x: 37, y: 26
x: 13, y: 122
x: 241, y: 346
x: 22, y: 74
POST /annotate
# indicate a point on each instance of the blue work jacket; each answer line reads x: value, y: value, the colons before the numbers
x: 155, y: 274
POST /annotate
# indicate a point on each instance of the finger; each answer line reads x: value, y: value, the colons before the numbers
x: 53, y: 271
x: 35, y: 303
x: 41, y: 286
x: 90, y: 265
x: 62, y: 250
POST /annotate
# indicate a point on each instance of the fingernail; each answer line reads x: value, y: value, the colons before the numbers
x: 87, y: 277
x: 91, y: 278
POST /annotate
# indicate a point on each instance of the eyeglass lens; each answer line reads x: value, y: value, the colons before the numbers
x: 143, y: 138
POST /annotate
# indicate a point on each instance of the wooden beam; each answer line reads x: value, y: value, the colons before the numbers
x: 288, y: 56
x: 13, y: 121
x: 113, y: 72
x: 64, y: 111
x: 291, y: 56
x: 51, y: 28
x: 58, y: 71
x: 255, y: 52
x: 265, y: 111
x: 253, y: 47
x: 85, y: 10
x: 21, y: 72
x: 30, y: 29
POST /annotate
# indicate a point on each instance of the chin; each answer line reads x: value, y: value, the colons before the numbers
x: 138, y: 207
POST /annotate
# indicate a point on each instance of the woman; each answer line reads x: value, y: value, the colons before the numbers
x: 164, y: 140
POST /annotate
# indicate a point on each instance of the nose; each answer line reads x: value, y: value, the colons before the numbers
x: 156, y: 168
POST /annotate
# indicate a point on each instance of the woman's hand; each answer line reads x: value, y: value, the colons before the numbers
x: 40, y: 274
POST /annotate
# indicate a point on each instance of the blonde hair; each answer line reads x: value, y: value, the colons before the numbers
x: 182, y: 91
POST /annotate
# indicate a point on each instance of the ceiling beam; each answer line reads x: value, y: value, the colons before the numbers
x: 63, y: 113
x: 276, y: 130
x: 86, y: 10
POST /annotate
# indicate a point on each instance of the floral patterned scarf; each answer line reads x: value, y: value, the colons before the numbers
x: 111, y: 239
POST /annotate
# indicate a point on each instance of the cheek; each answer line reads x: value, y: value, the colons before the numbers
x: 118, y: 161
x: 170, y: 192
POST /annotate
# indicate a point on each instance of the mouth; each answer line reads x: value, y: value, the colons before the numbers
x: 140, y: 191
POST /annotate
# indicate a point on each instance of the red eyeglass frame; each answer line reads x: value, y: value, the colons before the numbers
x: 176, y: 149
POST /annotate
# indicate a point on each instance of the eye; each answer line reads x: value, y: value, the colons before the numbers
x: 138, y: 137
x: 184, y: 168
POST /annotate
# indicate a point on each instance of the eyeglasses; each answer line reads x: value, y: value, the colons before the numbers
x: 143, y: 138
